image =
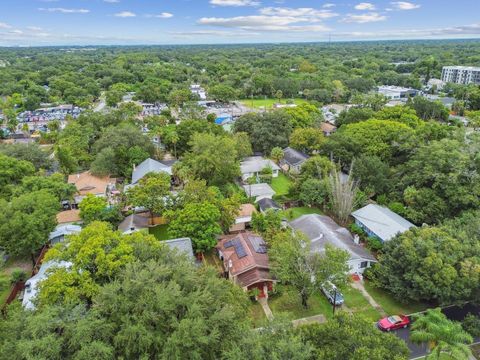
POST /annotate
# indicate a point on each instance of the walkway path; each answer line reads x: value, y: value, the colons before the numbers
x: 266, y: 308
x: 359, y: 286
x: 308, y: 320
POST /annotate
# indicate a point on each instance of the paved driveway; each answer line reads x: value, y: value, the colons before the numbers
x: 456, y: 313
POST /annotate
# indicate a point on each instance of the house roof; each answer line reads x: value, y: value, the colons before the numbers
x: 322, y: 230
x: 246, y: 210
x: 183, y: 245
x: 86, y: 183
x: 134, y: 222
x: 294, y: 157
x: 245, y: 255
x: 68, y: 216
x: 267, y: 203
x: 257, y: 190
x: 149, y: 166
x: 64, y: 230
x: 382, y: 221
x: 255, y: 164
x: 328, y: 128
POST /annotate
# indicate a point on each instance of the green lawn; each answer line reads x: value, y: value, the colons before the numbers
x: 268, y: 103
x: 288, y: 303
x: 296, y: 212
x: 160, y: 232
x: 391, y: 305
x: 356, y: 302
x: 281, y: 184
x: 257, y: 314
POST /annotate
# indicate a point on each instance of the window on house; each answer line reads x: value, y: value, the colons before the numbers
x: 363, y: 264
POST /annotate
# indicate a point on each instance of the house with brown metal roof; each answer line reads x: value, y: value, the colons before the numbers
x: 245, y: 261
x: 87, y: 183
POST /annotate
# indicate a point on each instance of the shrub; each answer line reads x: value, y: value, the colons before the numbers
x: 18, y: 275
x: 354, y: 228
x: 398, y: 208
x: 471, y: 324
x: 374, y: 243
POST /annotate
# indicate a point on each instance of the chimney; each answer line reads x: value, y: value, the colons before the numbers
x: 134, y: 167
x: 356, y: 239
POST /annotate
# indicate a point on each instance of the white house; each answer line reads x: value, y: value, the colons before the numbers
x: 259, y: 191
x: 381, y: 222
x: 32, y: 284
x: 396, y: 92
x: 253, y: 166
x: 322, y: 230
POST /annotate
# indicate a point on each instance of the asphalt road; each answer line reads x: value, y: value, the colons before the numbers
x: 456, y: 313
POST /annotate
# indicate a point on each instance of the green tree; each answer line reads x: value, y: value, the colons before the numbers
x: 54, y: 183
x: 212, y: 158
x: 446, y: 339
x: 199, y: 222
x: 26, y: 222
x: 151, y: 192
x: 314, y: 192
x: 372, y: 174
x: 12, y: 171
x: 223, y: 93
x: 91, y: 208
x: 307, y: 140
x: 352, y: 337
x: 28, y: 152
x: 293, y: 262
x: 343, y: 195
x: 276, y: 154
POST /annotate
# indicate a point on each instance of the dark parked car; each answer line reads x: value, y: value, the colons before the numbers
x: 333, y: 295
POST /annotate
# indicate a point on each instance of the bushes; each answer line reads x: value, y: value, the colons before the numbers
x: 18, y: 275
x: 471, y: 324
x: 374, y: 243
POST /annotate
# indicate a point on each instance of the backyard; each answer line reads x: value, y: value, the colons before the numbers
x: 296, y: 212
x: 160, y: 232
x: 269, y: 102
x: 281, y: 184
x: 6, y: 271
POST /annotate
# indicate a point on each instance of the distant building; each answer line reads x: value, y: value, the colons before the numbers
x: 259, y: 191
x: 87, y: 183
x: 461, y: 75
x: 69, y: 217
x: 148, y: 166
x: 244, y: 218
x: 182, y: 245
x: 134, y: 223
x: 293, y: 160
x: 62, y: 230
x: 196, y: 89
x: 267, y: 204
x: 381, y: 222
x: 439, y: 84
x: 396, y: 92
x: 327, y: 128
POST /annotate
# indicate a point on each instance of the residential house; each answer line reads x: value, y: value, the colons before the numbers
x: 293, y: 160
x: 396, y: 92
x: 381, y: 222
x: 259, y: 191
x: 62, y: 230
x: 266, y: 204
x: 87, y: 183
x: 135, y: 222
x: 327, y: 128
x: 253, y: 166
x: 244, y: 217
x: 245, y: 262
x: 69, y: 217
x: 323, y: 231
x: 32, y: 284
x: 149, y: 166
x: 182, y: 245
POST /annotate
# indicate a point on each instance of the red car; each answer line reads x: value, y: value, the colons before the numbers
x: 393, y: 322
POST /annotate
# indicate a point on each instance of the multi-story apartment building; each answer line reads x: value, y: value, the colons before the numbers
x: 461, y: 74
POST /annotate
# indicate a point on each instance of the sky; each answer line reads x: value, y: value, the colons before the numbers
x: 149, y: 22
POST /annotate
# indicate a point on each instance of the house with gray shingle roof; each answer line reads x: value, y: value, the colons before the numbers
x: 149, y: 166
x: 182, y: 245
x: 381, y: 222
x: 293, y: 159
x: 323, y: 231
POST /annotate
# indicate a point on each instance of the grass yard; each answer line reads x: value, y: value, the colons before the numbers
x: 268, y: 103
x: 257, y: 315
x: 281, y: 184
x: 6, y: 270
x: 288, y: 303
x: 296, y: 212
x: 356, y: 303
x: 160, y: 232
x: 391, y: 305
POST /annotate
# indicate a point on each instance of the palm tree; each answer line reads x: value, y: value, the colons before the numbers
x: 444, y: 337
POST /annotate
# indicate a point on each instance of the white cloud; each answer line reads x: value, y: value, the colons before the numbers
x: 4, y: 26
x: 65, y: 10
x: 112, y: 1
x: 328, y: 5
x: 365, y: 6
x: 235, y: 2
x: 364, y: 18
x: 34, y: 28
x: 263, y: 23
x: 310, y: 13
x: 163, y: 15
x: 125, y: 14
x: 404, y: 5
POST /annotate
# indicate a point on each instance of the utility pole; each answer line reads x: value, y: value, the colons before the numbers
x: 334, y: 300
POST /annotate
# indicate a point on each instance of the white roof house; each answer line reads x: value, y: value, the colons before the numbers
x: 381, y: 222
x: 32, y: 284
x: 323, y: 231
x: 149, y: 166
x: 259, y: 191
x: 62, y: 230
x: 253, y: 166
